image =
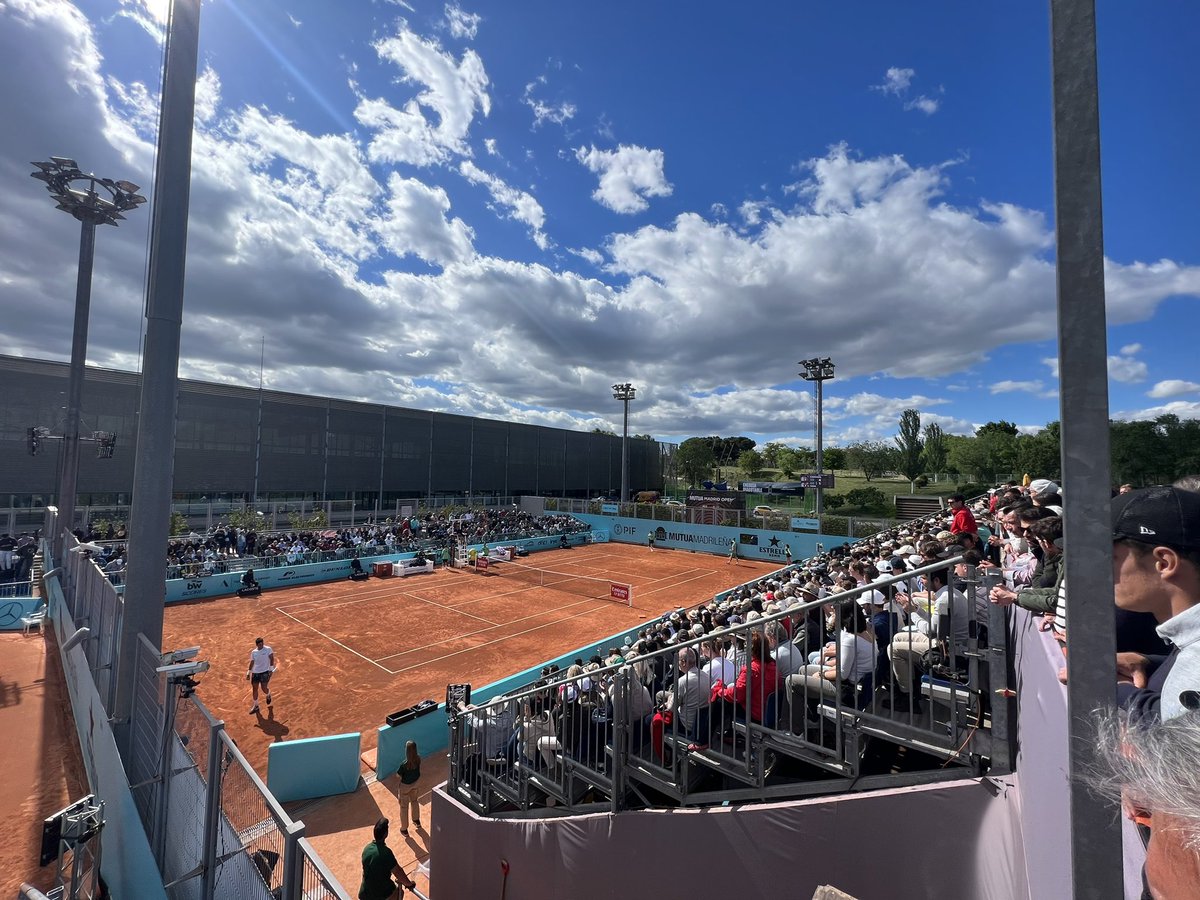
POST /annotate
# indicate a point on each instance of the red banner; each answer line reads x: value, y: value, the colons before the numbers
x: 481, y: 562
x: 618, y: 592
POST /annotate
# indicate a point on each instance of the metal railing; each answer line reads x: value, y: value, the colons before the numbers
x: 10, y: 589
x: 604, y: 739
x: 214, y: 828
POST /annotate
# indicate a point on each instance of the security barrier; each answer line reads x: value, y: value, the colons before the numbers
x: 656, y: 733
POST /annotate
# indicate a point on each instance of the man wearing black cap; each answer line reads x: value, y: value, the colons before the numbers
x: 1156, y: 569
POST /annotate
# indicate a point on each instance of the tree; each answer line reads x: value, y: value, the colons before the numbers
x: 909, y: 442
x: 872, y: 458
x: 833, y: 458
x: 935, y: 448
x: 770, y: 454
x: 790, y: 461
x: 1039, y: 454
x: 1138, y: 451
x: 750, y: 462
x: 599, y: 430
x: 966, y: 455
x: 868, y: 499
x: 1001, y: 427
x: 695, y: 459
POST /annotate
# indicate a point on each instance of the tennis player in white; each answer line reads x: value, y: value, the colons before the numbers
x: 262, y: 664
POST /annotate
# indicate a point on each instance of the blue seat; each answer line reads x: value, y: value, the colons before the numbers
x: 771, y: 710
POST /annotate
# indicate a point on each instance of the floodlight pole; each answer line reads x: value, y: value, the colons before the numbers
x: 153, y: 471
x: 100, y: 202
x: 625, y: 392
x: 818, y: 370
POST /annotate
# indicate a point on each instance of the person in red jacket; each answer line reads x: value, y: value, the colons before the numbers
x: 757, y: 680
x: 964, y: 522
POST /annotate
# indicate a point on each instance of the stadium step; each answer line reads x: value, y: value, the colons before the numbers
x: 916, y: 507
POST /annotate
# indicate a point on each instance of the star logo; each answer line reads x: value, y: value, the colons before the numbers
x: 774, y: 542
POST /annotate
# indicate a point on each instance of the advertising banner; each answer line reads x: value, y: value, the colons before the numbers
x: 716, y: 499
x: 758, y: 544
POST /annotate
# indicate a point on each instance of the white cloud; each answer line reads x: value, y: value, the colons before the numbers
x: 416, y: 223
x: 452, y: 91
x: 1184, y: 409
x: 489, y: 144
x: 296, y: 23
x: 628, y: 175
x: 462, y: 24
x: 896, y: 81
x: 149, y: 15
x: 1006, y: 387
x: 595, y: 257
x: 1173, y: 387
x: 364, y: 272
x: 545, y: 112
x: 521, y: 206
x: 1125, y: 368
x: 923, y: 104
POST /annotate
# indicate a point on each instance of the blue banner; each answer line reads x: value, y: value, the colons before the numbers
x: 769, y: 546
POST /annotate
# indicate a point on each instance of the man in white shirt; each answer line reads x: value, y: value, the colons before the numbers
x: 262, y: 664
x: 717, y: 666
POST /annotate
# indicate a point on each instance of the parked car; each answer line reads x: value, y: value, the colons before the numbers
x: 673, y: 503
x: 764, y: 511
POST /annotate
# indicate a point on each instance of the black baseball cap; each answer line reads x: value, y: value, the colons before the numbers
x: 1161, y: 516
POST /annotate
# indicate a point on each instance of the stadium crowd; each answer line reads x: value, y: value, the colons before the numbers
x: 873, y: 649
x: 227, y: 548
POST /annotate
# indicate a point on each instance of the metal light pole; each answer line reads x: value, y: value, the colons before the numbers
x: 818, y: 370
x: 625, y: 392
x: 98, y: 202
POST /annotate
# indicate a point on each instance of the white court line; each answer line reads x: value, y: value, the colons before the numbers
x: 638, y: 592
x: 389, y: 596
x: 484, y: 630
x: 339, y: 643
x: 427, y: 662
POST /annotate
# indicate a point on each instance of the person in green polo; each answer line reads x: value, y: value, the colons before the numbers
x: 379, y: 865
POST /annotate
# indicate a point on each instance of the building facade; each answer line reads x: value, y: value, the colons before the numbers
x: 236, y: 443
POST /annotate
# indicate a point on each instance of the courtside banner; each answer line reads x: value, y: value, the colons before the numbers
x: 771, y: 546
x: 202, y: 586
x: 619, y: 592
x: 481, y: 562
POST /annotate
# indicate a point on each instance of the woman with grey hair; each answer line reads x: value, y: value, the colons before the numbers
x: 1154, y: 771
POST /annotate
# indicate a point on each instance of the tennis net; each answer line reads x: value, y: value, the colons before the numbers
x: 581, y: 585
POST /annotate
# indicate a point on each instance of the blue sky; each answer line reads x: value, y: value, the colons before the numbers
x: 502, y: 209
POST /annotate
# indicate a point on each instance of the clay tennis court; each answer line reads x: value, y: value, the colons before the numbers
x: 349, y: 653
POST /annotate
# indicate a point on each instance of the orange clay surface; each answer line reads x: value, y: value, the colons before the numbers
x: 349, y: 653
x: 39, y: 756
